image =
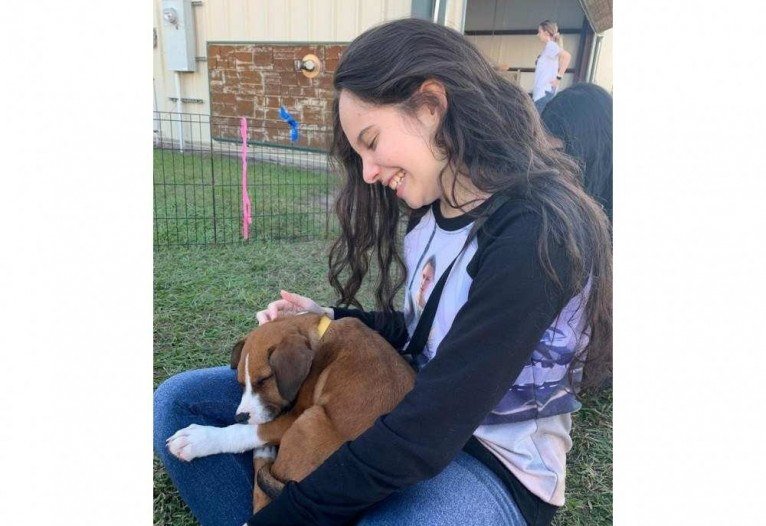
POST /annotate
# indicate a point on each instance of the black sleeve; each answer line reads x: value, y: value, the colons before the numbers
x: 390, y: 325
x: 510, y: 304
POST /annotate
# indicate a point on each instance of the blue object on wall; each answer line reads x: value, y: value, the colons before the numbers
x: 285, y: 115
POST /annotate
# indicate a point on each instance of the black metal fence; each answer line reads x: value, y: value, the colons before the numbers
x: 198, y: 181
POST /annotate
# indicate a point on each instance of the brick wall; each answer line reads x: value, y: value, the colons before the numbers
x: 254, y: 80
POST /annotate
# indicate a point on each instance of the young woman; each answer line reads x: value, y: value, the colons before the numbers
x: 551, y: 64
x: 424, y: 127
x: 581, y: 118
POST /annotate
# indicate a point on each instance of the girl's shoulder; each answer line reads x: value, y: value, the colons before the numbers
x: 514, y: 217
x: 551, y: 48
x: 511, y: 238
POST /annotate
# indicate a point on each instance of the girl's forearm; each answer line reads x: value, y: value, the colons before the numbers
x: 564, y: 59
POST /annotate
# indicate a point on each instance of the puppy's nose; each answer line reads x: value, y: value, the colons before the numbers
x: 242, y: 418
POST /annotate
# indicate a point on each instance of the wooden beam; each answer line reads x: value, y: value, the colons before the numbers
x: 586, y: 37
x: 490, y: 32
x: 532, y: 70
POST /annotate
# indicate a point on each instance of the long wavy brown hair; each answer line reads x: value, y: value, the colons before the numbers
x: 490, y: 133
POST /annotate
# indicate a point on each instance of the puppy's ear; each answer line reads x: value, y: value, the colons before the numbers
x: 291, y: 361
x: 236, y: 352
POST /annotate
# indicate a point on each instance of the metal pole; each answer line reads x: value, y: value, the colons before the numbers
x: 212, y: 178
x: 596, y: 53
x: 179, y: 109
x: 590, y: 72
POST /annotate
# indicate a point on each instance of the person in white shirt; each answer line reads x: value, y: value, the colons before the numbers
x: 551, y: 64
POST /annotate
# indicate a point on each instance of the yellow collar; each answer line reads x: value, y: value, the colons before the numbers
x: 324, y: 322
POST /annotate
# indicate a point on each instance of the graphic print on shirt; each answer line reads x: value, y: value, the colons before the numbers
x: 427, y: 274
x: 543, y: 387
x: 418, y: 292
x: 436, y: 249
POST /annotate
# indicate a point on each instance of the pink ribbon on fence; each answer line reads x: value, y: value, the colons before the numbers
x: 246, y: 218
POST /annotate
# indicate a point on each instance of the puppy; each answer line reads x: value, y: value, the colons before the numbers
x: 308, y: 388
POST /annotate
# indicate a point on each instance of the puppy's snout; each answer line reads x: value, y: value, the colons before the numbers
x: 242, y: 418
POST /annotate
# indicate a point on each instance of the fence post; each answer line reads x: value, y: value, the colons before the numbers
x: 212, y: 177
x: 272, y: 159
x: 327, y: 206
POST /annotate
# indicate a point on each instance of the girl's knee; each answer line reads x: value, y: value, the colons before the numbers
x: 168, y: 404
x: 183, y: 386
x: 167, y: 393
x: 200, y: 396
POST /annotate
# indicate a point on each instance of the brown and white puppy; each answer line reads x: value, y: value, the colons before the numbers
x: 304, y: 392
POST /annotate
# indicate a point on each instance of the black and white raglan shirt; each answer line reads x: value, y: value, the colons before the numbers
x: 493, y: 380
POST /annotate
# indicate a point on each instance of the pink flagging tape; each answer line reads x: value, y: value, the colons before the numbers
x: 246, y: 217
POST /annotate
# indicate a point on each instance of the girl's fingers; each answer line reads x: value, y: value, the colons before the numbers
x: 296, y: 299
x: 262, y: 316
x: 277, y: 307
x: 300, y: 302
x: 289, y: 304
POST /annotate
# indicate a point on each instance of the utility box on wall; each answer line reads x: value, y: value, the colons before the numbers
x: 178, y: 35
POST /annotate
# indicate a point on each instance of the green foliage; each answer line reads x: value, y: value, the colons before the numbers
x: 589, y: 465
x: 198, y: 199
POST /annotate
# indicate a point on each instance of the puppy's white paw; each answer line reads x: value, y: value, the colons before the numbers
x: 267, y: 452
x: 193, y: 442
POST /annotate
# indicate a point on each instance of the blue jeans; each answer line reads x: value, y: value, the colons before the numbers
x: 544, y: 100
x: 219, y: 489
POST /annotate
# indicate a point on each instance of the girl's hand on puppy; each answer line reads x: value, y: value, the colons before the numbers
x: 289, y: 305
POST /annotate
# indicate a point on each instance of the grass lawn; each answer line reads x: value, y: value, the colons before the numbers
x: 197, y: 199
x: 206, y: 298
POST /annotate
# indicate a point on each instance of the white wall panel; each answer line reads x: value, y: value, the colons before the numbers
x: 264, y: 21
x: 604, y: 67
x: 338, y: 21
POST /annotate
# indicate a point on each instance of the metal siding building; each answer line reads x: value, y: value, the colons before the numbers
x: 283, y: 21
x: 320, y: 22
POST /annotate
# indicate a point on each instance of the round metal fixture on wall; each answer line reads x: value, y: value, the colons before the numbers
x: 309, y: 66
x: 171, y: 16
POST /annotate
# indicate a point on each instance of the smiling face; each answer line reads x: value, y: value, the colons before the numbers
x: 396, y: 149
